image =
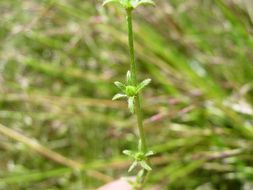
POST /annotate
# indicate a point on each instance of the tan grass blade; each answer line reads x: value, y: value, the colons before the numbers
x: 249, y: 7
x: 52, y: 155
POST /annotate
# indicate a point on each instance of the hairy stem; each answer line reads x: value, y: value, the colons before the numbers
x: 137, y: 104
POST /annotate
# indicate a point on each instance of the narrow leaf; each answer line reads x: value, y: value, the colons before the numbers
x: 143, y: 84
x: 140, y: 145
x: 131, y: 104
x: 120, y: 85
x: 118, y: 96
x: 134, y: 164
x: 140, y: 175
x: 145, y: 166
x: 149, y: 153
x: 109, y: 1
x: 128, y: 153
x: 129, y: 78
x: 144, y: 2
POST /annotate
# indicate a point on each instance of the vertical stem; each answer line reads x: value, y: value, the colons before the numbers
x: 137, y: 104
x: 131, y: 46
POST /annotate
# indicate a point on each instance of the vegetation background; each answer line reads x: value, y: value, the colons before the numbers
x: 59, y: 128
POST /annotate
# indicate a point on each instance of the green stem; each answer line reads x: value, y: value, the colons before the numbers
x: 138, y: 110
x: 131, y: 45
x: 137, y: 104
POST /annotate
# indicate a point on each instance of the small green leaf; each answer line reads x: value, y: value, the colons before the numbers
x: 129, y: 78
x: 144, y: 2
x: 145, y: 166
x: 118, y: 96
x: 110, y: 1
x: 120, y: 85
x: 128, y: 153
x: 140, y: 175
x: 130, y: 4
x: 140, y: 145
x: 143, y: 84
x: 134, y: 164
x: 149, y: 153
x: 131, y: 104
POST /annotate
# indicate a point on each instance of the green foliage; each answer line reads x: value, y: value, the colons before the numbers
x: 129, y: 90
x: 132, y: 92
x: 130, y: 4
x: 139, y: 158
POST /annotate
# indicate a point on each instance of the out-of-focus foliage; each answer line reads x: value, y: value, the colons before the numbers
x: 58, y: 59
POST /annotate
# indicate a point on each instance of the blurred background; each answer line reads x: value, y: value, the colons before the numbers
x: 59, y: 128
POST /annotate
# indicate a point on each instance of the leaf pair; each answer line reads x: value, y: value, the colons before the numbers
x: 129, y: 90
x: 140, y: 159
x: 130, y: 4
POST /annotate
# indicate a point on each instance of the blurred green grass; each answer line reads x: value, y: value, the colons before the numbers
x: 58, y: 60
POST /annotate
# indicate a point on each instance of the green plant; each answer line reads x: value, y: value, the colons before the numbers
x: 131, y: 91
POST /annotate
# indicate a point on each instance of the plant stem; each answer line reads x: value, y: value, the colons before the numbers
x: 131, y: 45
x: 138, y: 110
x: 137, y: 104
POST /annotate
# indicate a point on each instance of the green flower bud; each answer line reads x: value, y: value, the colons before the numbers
x: 130, y: 91
x: 139, y: 156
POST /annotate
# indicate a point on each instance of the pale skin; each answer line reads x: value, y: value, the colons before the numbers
x: 121, y: 184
